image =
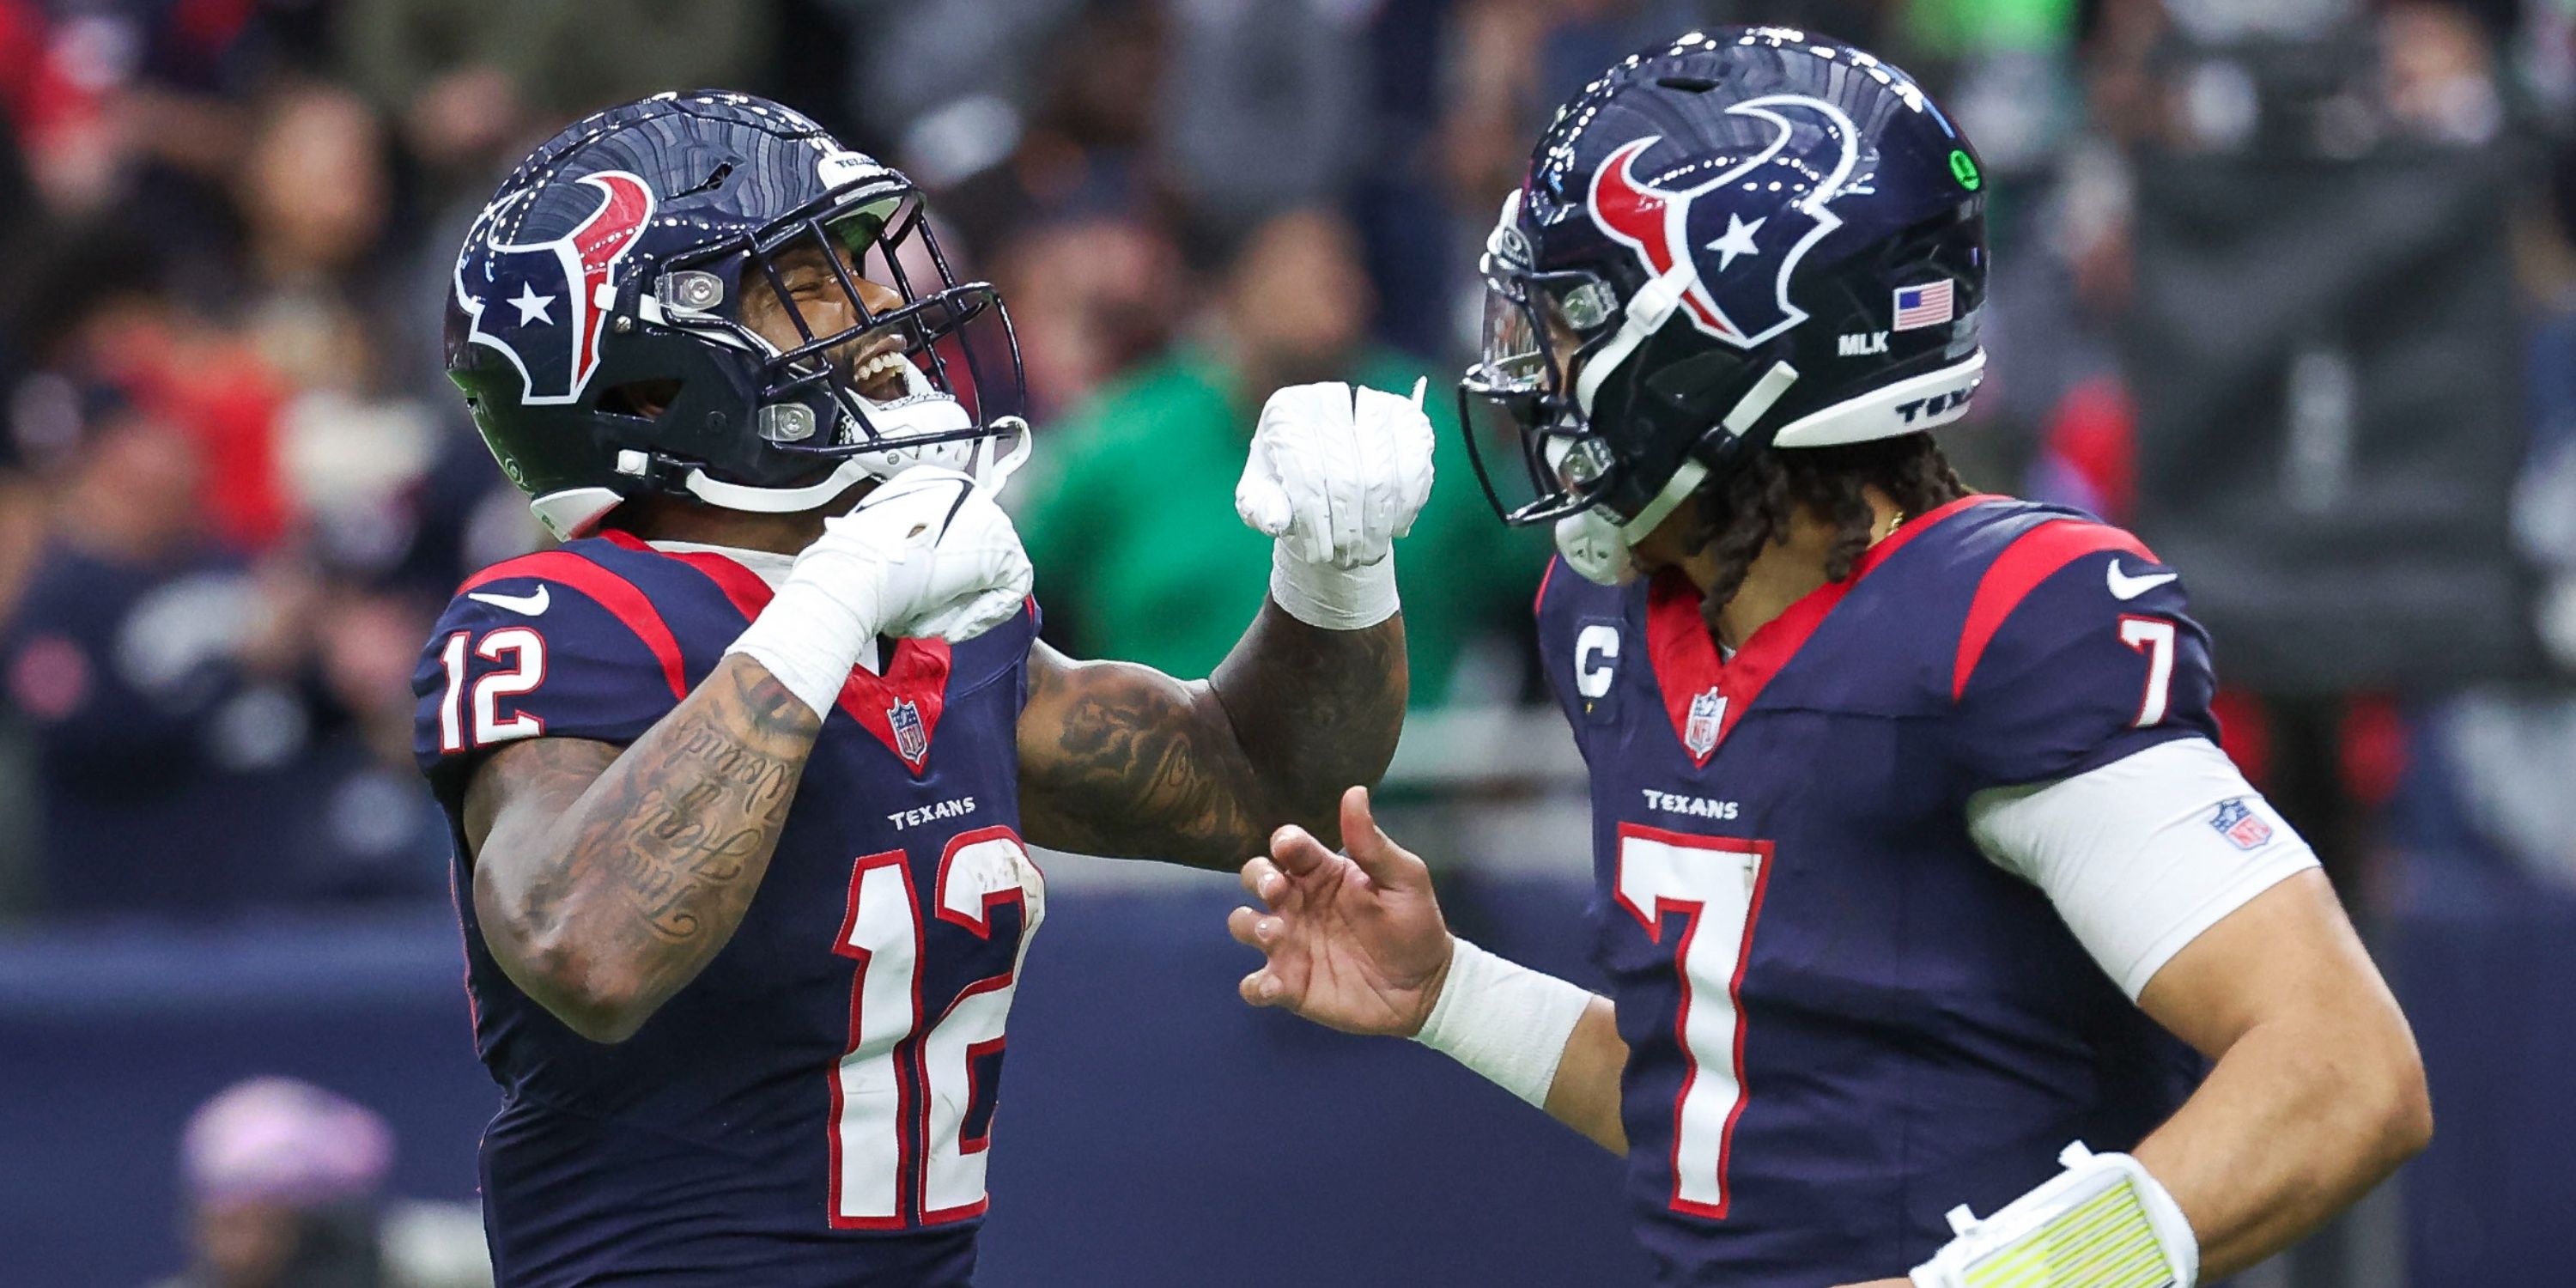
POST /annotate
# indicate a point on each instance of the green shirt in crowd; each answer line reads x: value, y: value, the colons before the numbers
x: 1130, y: 521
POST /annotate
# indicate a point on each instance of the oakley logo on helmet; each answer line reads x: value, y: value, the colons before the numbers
x: 550, y: 331
x: 1757, y: 238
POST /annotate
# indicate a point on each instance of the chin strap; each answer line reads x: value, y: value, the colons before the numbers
x: 1596, y: 545
x: 773, y: 500
x: 993, y: 468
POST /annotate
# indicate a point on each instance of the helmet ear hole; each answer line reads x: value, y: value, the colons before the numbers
x: 644, y: 399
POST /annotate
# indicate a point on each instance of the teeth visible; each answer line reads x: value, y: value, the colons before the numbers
x: 879, y: 365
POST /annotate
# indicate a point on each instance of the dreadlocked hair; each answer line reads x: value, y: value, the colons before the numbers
x: 1750, y: 510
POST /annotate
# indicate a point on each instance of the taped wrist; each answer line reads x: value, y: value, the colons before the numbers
x: 1503, y: 1020
x: 810, y: 637
x: 2101, y: 1223
x: 1336, y: 599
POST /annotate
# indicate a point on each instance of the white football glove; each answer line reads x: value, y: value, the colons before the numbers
x: 928, y: 553
x: 1336, y: 474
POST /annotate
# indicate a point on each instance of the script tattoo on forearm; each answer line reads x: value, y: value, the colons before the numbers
x: 650, y: 859
x: 685, y: 843
x: 1120, y: 759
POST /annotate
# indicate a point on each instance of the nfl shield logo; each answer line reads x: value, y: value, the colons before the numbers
x: 911, y: 741
x: 2242, y: 827
x: 1707, y: 713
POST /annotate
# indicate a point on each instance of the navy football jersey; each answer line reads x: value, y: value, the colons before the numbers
x: 814, y: 1108
x: 1842, y: 1018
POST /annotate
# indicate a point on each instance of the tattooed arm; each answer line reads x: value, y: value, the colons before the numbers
x: 1124, y: 760
x: 605, y: 879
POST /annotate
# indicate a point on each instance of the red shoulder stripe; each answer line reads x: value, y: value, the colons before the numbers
x: 1538, y: 602
x: 742, y: 587
x: 2033, y: 557
x: 610, y: 591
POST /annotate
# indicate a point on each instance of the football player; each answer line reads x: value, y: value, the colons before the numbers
x: 1915, y: 861
x: 743, y: 775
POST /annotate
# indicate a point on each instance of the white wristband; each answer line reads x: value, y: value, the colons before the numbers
x: 810, y: 639
x: 1503, y: 1020
x: 1336, y: 599
x: 2103, y: 1220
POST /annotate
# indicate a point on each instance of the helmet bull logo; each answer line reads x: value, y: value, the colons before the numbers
x: 540, y: 304
x: 1737, y: 235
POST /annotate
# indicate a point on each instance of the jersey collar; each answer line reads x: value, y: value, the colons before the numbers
x: 915, y: 677
x: 1705, y: 693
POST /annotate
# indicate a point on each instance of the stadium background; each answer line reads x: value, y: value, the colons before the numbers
x: 2287, y: 284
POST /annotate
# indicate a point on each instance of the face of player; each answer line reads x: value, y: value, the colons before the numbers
x: 1669, y: 545
x: 814, y: 291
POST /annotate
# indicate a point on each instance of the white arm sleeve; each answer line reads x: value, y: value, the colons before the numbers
x: 2142, y: 854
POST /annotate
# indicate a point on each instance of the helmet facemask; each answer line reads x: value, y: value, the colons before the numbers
x: 1538, y: 328
x: 928, y: 374
x: 1591, y: 389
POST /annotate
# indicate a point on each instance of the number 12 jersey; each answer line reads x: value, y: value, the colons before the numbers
x: 814, y: 1109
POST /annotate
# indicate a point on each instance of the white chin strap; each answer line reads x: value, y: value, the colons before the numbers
x: 980, y: 457
x: 775, y: 500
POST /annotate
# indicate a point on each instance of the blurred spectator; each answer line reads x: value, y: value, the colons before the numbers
x: 1085, y: 150
x: 284, y: 1186
x: 282, y: 1179
x: 362, y: 828
x: 1282, y: 80
x: 1135, y: 535
x: 98, y: 305
x: 1090, y: 298
x: 943, y: 82
x: 151, y: 668
x: 474, y: 80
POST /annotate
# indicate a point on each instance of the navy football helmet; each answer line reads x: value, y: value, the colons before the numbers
x: 1750, y: 238
x: 596, y: 321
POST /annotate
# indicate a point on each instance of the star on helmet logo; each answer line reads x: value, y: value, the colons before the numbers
x: 1737, y: 241
x: 532, y: 306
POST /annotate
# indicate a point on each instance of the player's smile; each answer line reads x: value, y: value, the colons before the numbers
x: 875, y: 363
x: 877, y: 370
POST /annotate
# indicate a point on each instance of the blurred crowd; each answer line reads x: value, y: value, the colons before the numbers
x: 234, y: 487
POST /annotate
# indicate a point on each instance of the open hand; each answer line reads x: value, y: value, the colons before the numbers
x: 1354, y: 941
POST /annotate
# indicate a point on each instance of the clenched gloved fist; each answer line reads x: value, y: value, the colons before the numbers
x: 928, y: 553
x: 957, y: 568
x: 1336, y: 474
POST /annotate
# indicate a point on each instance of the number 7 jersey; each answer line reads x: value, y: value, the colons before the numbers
x: 816, y: 1106
x: 1843, y: 1019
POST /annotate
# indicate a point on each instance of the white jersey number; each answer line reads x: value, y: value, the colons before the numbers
x: 526, y: 650
x: 1715, y: 882
x: 906, y: 1079
x: 2153, y: 636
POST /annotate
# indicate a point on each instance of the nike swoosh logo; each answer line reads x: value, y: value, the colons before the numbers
x: 2125, y: 586
x: 533, y: 605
